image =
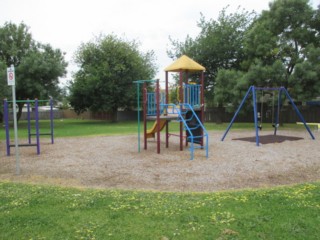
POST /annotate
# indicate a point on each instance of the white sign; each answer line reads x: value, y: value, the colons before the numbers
x: 11, y: 76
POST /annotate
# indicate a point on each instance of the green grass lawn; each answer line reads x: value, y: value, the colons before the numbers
x: 77, y: 127
x: 47, y: 212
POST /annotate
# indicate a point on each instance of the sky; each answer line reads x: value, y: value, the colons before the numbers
x: 65, y: 24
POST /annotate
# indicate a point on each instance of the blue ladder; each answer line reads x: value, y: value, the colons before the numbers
x: 181, y: 113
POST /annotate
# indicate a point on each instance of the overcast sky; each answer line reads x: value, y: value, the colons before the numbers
x: 65, y: 24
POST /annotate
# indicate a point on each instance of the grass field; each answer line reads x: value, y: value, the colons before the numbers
x: 46, y: 212
x: 77, y: 127
x: 49, y: 212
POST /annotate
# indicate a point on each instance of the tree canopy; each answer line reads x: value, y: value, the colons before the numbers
x: 279, y: 47
x: 38, y: 66
x: 108, y: 66
x: 218, y: 46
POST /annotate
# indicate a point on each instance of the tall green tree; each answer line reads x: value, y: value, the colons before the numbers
x: 218, y: 46
x: 38, y: 66
x: 108, y: 67
x: 15, y: 42
x: 283, y: 33
x: 4, y: 91
x: 280, y: 49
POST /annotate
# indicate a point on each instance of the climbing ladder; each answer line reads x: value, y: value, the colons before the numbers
x: 191, y: 122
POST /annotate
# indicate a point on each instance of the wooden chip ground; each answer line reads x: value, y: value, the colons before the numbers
x: 114, y: 162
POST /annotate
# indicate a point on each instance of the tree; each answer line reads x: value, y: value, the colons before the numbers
x: 218, y: 46
x: 3, y: 81
x: 280, y: 49
x: 38, y: 66
x: 15, y: 42
x: 282, y: 34
x: 108, y: 67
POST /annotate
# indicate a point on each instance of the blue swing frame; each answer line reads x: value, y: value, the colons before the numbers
x: 252, y: 90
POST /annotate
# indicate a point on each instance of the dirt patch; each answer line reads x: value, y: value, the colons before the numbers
x: 271, y: 138
x: 114, y: 162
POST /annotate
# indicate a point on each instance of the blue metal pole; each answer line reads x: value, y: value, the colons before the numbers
x: 235, y: 115
x: 207, y: 145
x: 277, y: 113
x: 298, y: 113
x: 255, y: 114
x: 158, y: 114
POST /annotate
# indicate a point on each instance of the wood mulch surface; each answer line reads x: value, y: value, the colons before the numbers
x: 113, y: 162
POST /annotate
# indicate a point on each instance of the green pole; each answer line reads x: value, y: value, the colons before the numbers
x: 138, y: 94
x: 138, y: 100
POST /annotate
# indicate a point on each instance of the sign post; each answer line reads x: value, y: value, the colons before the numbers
x: 12, y: 82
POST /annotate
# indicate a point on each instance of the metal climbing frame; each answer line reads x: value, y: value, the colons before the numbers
x: 36, y: 119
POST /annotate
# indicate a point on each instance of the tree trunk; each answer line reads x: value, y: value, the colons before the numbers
x: 114, y: 115
x: 19, y: 113
x: 218, y: 113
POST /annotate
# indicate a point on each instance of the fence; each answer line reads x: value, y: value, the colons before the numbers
x: 287, y: 115
x: 217, y: 115
x: 121, y: 115
x: 57, y: 114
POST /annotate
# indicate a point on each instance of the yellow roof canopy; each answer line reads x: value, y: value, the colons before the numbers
x: 184, y: 63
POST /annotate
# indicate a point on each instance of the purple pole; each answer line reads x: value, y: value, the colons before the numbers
x: 51, y: 120
x: 6, y: 122
x: 28, y: 116
x: 37, y: 126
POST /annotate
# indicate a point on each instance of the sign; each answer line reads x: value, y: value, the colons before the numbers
x: 11, y: 82
x: 11, y: 76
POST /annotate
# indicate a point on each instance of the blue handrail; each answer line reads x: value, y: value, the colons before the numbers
x: 173, y: 109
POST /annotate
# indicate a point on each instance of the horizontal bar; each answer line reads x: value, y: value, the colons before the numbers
x: 30, y: 101
x: 143, y: 81
x: 268, y: 88
x: 34, y: 134
x: 23, y: 145
x: 176, y: 135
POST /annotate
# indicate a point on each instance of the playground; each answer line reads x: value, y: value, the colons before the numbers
x: 157, y: 160
x: 113, y: 162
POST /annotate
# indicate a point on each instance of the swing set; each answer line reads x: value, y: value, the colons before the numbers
x: 265, y: 96
x: 258, y: 115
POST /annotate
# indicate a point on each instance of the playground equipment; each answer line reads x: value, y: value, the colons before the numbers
x: 252, y: 90
x: 36, y: 118
x: 189, y: 111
